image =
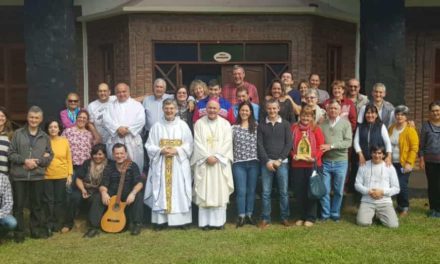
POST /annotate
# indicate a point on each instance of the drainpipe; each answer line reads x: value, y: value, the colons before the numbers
x: 85, y: 65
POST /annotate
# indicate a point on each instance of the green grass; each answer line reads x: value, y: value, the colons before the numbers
x: 416, y: 240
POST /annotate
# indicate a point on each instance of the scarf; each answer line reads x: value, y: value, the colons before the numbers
x: 96, y: 172
x: 72, y: 115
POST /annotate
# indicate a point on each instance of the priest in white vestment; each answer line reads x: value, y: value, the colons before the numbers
x: 98, y: 108
x: 124, y: 120
x: 168, y: 188
x: 212, y: 160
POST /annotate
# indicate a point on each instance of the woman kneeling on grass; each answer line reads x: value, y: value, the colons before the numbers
x: 377, y: 183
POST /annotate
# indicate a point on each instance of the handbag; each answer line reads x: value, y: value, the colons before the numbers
x: 316, y: 184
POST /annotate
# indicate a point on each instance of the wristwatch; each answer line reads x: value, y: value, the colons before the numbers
x: 332, y: 147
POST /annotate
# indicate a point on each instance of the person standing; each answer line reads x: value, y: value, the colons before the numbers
x: 125, y: 120
x: 377, y: 183
x: 5, y: 138
x: 7, y: 221
x: 246, y: 166
x: 211, y: 161
x: 315, y: 82
x: 230, y: 90
x: 384, y: 108
x: 405, y: 144
x: 226, y: 111
x: 29, y: 154
x: 97, y: 109
x: 242, y: 96
x: 68, y: 115
x: 353, y: 93
x: 302, y: 169
x: 58, y: 177
x: 274, y: 144
x: 168, y: 187
x: 430, y: 157
x: 338, y: 138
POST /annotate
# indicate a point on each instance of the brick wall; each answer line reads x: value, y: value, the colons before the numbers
x: 422, y: 36
x: 111, y: 31
x: 146, y: 28
x: 338, y: 33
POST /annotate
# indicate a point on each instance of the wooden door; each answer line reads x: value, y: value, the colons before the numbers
x: 13, y: 86
x: 254, y: 75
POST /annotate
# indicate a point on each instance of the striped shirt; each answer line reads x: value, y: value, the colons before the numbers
x: 4, y: 148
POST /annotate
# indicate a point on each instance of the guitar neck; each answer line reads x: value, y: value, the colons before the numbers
x: 121, y: 182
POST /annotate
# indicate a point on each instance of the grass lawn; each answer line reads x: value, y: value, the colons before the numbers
x: 416, y: 240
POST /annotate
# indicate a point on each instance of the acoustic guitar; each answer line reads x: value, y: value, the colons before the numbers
x: 114, y: 220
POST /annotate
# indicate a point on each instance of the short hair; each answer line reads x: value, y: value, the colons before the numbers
x: 434, y: 103
x: 288, y: 72
x: 333, y: 101
x: 337, y: 83
x: 237, y: 67
x: 60, y: 125
x: 83, y: 111
x: 311, y: 91
x: 376, y: 148
x: 99, y: 147
x: 313, y: 73
x: 169, y: 101
x: 214, y: 82
x: 196, y: 83
x: 241, y: 89
x: 302, y: 81
x: 35, y: 109
x: 7, y: 128
x: 379, y: 85
x: 401, y: 109
x: 271, y: 101
x: 283, y: 89
x: 119, y: 145
x: 160, y: 80
x: 308, y: 110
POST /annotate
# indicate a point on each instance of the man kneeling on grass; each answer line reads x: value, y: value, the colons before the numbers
x: 377, y: 183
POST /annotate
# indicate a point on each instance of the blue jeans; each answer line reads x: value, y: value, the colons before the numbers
x: 336, y: 170
x: 282, y: 178
x: 7, y: 223
x: 402, y: 197
x: 245, y: 181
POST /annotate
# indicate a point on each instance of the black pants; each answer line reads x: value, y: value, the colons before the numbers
x: 306, y: 207
x: 55, y: 203
x: 432, y: 174
x: 133, y: 212
x: 76, y: 200
x: 32, y: 190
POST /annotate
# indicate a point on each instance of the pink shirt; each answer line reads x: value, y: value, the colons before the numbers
x: 80, y: 144
x: 229, y: 92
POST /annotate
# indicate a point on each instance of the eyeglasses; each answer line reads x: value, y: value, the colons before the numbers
x: 353, y: 86
x: 72, y: 101
x: 311, y: 97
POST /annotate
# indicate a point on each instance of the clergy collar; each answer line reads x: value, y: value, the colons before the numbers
x: 279, y: 120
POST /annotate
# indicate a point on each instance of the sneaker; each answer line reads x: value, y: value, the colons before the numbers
x: 240, y: 222
x: 299, y: 223
x: 308, y: 224
x: 263, y: 224
x: 249, y: 220
x: 403, y: 213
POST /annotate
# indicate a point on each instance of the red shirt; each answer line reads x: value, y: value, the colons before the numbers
x: 229, y: 92
x: 316, y: 151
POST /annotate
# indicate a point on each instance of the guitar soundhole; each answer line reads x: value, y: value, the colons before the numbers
x: 116, y: 207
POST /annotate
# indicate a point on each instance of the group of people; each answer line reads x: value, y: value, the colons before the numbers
x: 199, y: 145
